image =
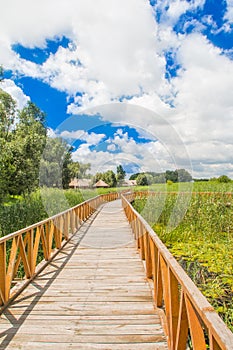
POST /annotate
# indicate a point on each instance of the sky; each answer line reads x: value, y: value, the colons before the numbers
x: 146, y: 84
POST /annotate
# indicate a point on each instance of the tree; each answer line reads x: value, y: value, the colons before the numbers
x: 160, y: 179
x: 223, y: 179
x: 183, y: 175
x: 55, y: 164
x: 97, y: 177
x: 120, y: 174
x: 142, y: 180
x: 7, y: 114
x: 134, y: 176
x: 83, y: 168
x: 110, y: 178
x: 27, y: 144
x: 7, y: 120
x: 171, y: 175
x: 66, y: 173
x: 74, y: 169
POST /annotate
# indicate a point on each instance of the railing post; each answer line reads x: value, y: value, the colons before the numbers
x: 141, y: 239
x: 3, y: 296
x: 30, y: 250
x: 148, y: 256
x: 174, y: 307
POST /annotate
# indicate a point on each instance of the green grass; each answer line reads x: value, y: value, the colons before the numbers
x: 18, y: 212
x: 202, y: 242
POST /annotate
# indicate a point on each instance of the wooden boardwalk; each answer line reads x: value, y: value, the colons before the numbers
x: 94, y: 295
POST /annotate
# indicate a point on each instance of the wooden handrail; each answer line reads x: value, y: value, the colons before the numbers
x: 22, y: 251
x: 187, y: 312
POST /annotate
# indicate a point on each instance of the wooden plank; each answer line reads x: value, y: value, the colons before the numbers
x: 80, y: 346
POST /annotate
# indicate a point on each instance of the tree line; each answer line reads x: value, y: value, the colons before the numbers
x: 148, y: 178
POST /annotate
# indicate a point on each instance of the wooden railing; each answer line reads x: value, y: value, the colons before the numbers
x: 188, y: 316
x: 22, y: 251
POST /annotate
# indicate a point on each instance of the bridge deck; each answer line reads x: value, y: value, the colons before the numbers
x: 94, y: 295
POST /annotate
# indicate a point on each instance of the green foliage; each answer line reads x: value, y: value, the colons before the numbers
x: 183, y: 175
x: 7, y: 114
x: 179, y: 175
x: 110, y: 178
x: 120, y: 176
x: 202, y: 242
x: 142, y: 180
x: 55, y: 165
x: 224, y: 179
x: 169, y: 182
x: 79, y: 170
x: 27, y: 144
x: 21, y: 144
x: 19, y: 212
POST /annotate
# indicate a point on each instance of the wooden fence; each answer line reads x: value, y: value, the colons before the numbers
x: 188, y: 316
x: 21, y: 252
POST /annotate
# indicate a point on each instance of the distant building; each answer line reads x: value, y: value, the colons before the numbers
x: 101, y: 184
x: 80, y: 183
x: 129, y: 183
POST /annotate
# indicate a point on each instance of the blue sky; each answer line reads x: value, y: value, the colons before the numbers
x: 170, y: 59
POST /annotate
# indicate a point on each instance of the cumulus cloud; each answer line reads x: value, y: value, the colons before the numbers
x: 122, y: 149
x: 229, y: 13
x: 16, y: 92
x: 171, y: 10
x: 118, y: 61
x: 91, y: 139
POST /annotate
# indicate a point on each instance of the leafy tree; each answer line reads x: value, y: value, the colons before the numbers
x: 66, y: 173
x: 74, y: 169
x: 7, y: 114
x: 171, y: 175
x: 159, y: 179
x: 7, y: 120
x: 27, y: 144
x: 83, y: 168
x: 150, y: 179
x: 110, y: 178
x: 142, y: 180
x: 224, y: 179
x: 120, y: 174
x: 55, y: 166
x: 134, y: 176
x: 183, y: 175
x: 97, y: 177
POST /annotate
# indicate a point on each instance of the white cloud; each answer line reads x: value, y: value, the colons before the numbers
x: 118, y: 61
x: 91, y: 139
x: 111, y: 147
x: 204, y: 91
x: 16, y: 92
x: 171, y: 10
x: 51, y: 133
x: 229, y: 13
x: 150, y: 156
